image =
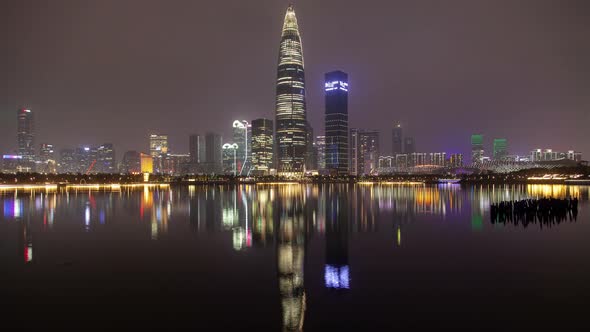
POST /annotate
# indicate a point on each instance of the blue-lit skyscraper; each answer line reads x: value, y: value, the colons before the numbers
x: 290, y: 100
x: 336, y: 86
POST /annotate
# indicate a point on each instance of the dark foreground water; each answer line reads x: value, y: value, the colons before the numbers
x: 290, y: 257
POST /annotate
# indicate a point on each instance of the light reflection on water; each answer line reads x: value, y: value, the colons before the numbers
x: 284, y: 217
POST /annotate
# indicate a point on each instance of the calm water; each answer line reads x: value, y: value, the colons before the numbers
x: 289, y: 257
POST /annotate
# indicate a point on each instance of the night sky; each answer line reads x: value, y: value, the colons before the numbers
x: 116, y: 70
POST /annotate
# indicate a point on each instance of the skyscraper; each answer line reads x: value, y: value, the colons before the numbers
x: 213, y: 150
x: 242, y: 131
x: 26, y: 135
x: 336, y: 121
x: 47, y: 161
x: 321, y: 148
x: 262, y: 143
x: 500, y: 148
x: 290, y: 99
x: 477, y: 148
x: 396, y: 140
x: 158, y: 148
x: 409, y: 145
x: 364, y: 151
x: 131, y: 162
x: 196, y: 149
x: 105, y: 162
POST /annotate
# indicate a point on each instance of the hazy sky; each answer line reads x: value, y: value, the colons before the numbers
x: 116, y: 70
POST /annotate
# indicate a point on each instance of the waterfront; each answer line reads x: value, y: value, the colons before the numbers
x: 289, y: 256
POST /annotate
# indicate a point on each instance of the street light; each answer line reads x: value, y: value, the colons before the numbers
x: 233, y: 146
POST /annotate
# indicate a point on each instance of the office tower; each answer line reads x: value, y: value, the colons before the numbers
x: 158, y: 148
x: 320, y: 142
x: 262, y: 146
x: 290, y: 100
x: 336, y: 122
x: 158, y: 144
x: 67, y: 161
x: 396, y: 140
x: 85, y: 160
x: 47, y: 161
x: 456, y: 160
x: 500, y: 148
x: 574, y: 155
x: 11, y: 163
x: 401, y: 161
x: 105, y: 159
x: 409, y: 145
x: 242, y: 132
x: 230, y: 158
x: 146, y: 163
x: 131, y: 163
x: 364, y: 151
x: 477, y: 148
x: 26, y: 135
x: 213, y: 150
x: 176, y: 164
x: 196, y: 148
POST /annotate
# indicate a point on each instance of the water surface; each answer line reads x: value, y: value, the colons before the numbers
x: 289, y: 257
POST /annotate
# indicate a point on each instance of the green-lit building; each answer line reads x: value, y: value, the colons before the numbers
x: 477, y: 148
x: 500, y: 148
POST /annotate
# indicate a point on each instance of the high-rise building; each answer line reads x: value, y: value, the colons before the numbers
x: 213, y: 153
x: 230, y: 158
x: 196, y: 148
x: 67, y: 161
x: 146, y: 163
x: 290, y: 100
x: 320, y: 142
x: 105, y: 159
x: 26, y: 135
x: 477, y: 148
x: 158, y: 150
x: 47, y: 161
x: 336, y: 121
x: 242, y: 131
x: 364, y: 151
x: 500, y: 148
x: 131, y: 163
x: 409, y: 145
x: 86, y: 159
x: 396, y: 140
x: 262, y: 146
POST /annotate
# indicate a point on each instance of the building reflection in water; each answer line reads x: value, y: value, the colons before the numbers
x: 291, y: 233
x: 337, y: 269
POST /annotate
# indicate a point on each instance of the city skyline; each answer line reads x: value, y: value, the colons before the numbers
x: 73, y: 110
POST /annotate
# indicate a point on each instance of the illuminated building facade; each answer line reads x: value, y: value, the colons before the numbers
x: 477, y: 150
x: 85, y: 159
x: 456, y: 160
x: 500, y: 148
x: 336, y: 122
x: 26, y: 135
x: 11, y: 163
x: 364, y: 151
x: 242, y: 132
x: 47, y: 161
x: 230, y: 158
x: 158, y: 148
x: 196, y: 148
x: 146, y: 163
x: 262, y: 146
x: 320, y: 143
x: 67, y: 161
x: 105, y: 162
x: 131, y: 162
x: 396, y: 140
x: 290, y: 100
